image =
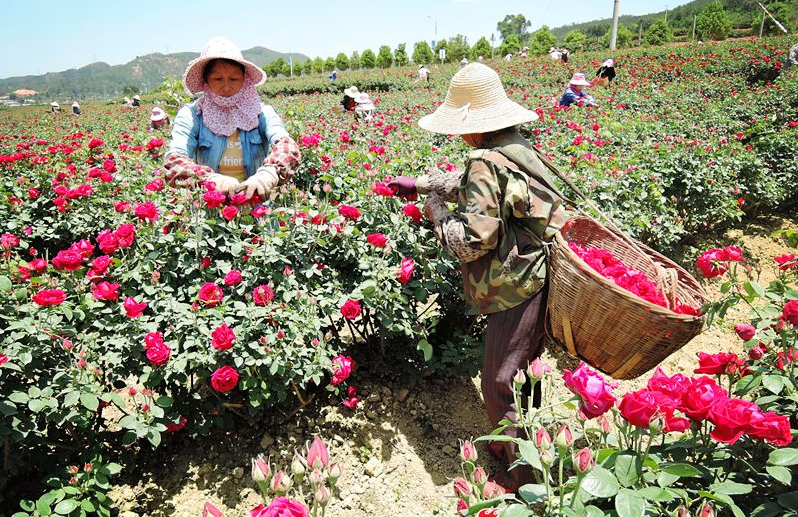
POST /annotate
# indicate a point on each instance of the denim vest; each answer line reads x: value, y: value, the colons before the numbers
x: 192, y: 138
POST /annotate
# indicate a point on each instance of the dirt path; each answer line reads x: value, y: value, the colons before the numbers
x: 399, y: 448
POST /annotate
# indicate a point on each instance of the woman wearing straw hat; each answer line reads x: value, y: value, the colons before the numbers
x: 159, y: 119
x: 506, y: 214
x: 228, y: 136
x: 75, y: 108
x: 348, y: 102
x: 574, y: 92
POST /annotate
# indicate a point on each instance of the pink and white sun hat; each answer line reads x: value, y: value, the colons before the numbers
x: 157, y: 114
x: 218, y: 48
x: 476, y: 102
x: 579, y: 80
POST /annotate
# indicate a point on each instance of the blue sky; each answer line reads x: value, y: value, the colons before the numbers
x: 39, y: 36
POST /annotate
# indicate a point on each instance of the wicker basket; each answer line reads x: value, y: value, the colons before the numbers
x: 607, y: 326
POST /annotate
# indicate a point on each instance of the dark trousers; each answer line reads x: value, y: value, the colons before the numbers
x: 513, y: 338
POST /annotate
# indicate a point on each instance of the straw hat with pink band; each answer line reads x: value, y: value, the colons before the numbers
x: 579, y: 80
x: 476, y: 103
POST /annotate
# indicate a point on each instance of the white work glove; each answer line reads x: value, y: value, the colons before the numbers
x: 262, y: 182
x: 224, y: 184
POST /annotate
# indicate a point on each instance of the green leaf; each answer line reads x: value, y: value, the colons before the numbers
x: 128, y: 438
x: 517, y: 510
x: 665, y: 479
x: 654, y: 493
x: 532, y: 493
x: 773, y: 383
x: 89, y: 401
x: 683, y: 470
x: 628, y: 468
x: 530, y: 454
x: 20, y: 397
x: 5, y: 283
x: 726, y: 500
x: 66, y: 506
x: 164, y: 401
x: 600, y: 482
x: 780, y: 474
x: 113, y: 468
x: 425, y: 347
x: 154, y: 437
x: 71, y: 398
x: 789, y: 500
x: 783, y: 457
x: 731, y: 488
x: 87, y: 506
x: 628, y: 503
x: 43, y: 506
x: 770, y: 509
x: 592, y: 511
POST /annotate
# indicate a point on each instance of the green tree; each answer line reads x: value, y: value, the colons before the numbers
x: 354, y: 60
x: 329, y: 64
x: 368, y: 59
x: 511, y: 45
x: 624, y: 38
x: 658, y: 33
x: 441, y: 44
x: 513, y: 24
x: 341, y: 61
x: 575, y: 40
x: 542, y: 40
x: 307, y: 67
x: 384, y: 57
x: 713, y: 22
x: 278, y: 67
x: 481, y: 48
x: 400, y: 55
x: 422, y: 54
x: 318, y: 65
x: 457, y: 48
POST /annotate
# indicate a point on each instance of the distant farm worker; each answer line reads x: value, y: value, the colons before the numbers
x: 136, y: 101
x: 508, y: 57
x: 463, y: 62
x: 75, y: 108
x: 423, y: 73
x: 348, y: 102
x: 333, y: 76
x: 365, y: 107
x: 792, y: 58
x: 228, y: 136
x: 607, y: 70
x: 126, y: 102
x: 54, y: 107
x: 159, y: 119
x: 574, y: 92
x: 506, y: 214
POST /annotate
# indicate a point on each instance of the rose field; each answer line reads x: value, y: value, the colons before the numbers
x: 159, y: 344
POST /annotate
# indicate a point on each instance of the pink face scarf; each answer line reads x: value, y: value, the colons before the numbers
x: 224, y: 115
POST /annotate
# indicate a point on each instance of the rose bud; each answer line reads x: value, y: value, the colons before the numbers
x: 745, y: 332
x: 318, y: 455
x: 564, y: 437
x: 583, y: 461
x: 536, y: 369
x: 519, y: 379
x: 756, y: 353
x: 479, y: 477
x: 281, y: 483
x: 542, y: 438
x: 682, y: 512
x: 260, y: 470
x: 322, y: 495
x: 316, y: 478
x: 468, y: 452
x: 461, y: 487
x: 546, y: 456
x: 209, y: 510
x: 298, y: 465
x: 462, y: 507
x: 707, y: 511
x: 492, y: 489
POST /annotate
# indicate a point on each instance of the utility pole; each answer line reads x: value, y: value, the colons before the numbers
x: 640, y: 36
x: 492, y: 49
x: 666, y: 14
x: 780, y: 26
x: 695, y: 17
x: 614, y: 33
x: 762, y: 25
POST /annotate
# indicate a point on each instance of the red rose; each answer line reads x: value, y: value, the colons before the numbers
x: 259, y: 211
x: 638, y: 407
x: 699, y: 396
x: 105, y: 291
x: 172, y: 427
x: 39, y: 265
x: 232, y: 278
x: 213, y: 199
x: 591, y: 387
x: 413, y: 212
x: 351, y: 309
x: 280, y: 507
x: 133, y: 309
x: 229, y: 213
x: 382, y: 189
x: 3, y: 359
x: 342, y: 369
x: 125, y: 235
x: 222, y: 338
x: 108, y: 241
x: 68, y: 260
x: 100, y: 264
x: 210, y: 294
x: 745, y: 332
x: 158, y: 353
x: 122, y: 206
x: 773, y: 428
x: 786, y: 262
x: 152, y: 339
x: 95, y: 142
x: 790, y: 312
x: 262, y: 295
x: 405, y: 271
x: 84, y: 247
x: 147, y: 211
x: 109, y: 166
x: 672, y: 387
x: 712, y: 263
x: 349, y: 212
x: 8, y: 241
x: 716, y: 364
x: 377, y: 239
x: 49, y: 297
x: 224, y: 379
x: 733, y: 417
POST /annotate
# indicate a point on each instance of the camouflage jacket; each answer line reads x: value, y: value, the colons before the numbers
x: 504, y: 219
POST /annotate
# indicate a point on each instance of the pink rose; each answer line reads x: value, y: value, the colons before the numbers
x: 224, y: 379
x: 158, y: 353
x: 595, y: 392
x: 233, y: 278
x: 262, y: 295
x: 280, y: 507
x: 405, y: 271
x: 318, y: 455
x: 229, y: 212
x: 147, y: 211
x: 351, y: 309
x: 133, y: 309
x: 342, y: 369
x: 773, y: 428
x: 105, y: 291
x: 377, y: 239
x: 349, y: 212
x: 8, y: 241
x: 210, y: 294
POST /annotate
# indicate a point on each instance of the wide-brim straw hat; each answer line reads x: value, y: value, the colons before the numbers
x: 157, y: 114
x: 54, y: 104
x: 351, y: 91
x: 579, y: 80
x: 218, y: 48
x: 136, y: 98
x: 362, y: 98
x: 476, y: 103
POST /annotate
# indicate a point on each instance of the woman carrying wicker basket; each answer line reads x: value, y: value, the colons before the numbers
x: 505, y: 217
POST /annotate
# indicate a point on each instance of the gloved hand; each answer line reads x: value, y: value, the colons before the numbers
x: 404, y: 185
x: 262, y: 182
x: 224, y: 184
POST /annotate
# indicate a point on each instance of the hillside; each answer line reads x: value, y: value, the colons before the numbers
x: 745, y: 15
x: 141, y: 74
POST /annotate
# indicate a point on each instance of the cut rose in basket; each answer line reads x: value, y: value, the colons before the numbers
x: 636, y: 282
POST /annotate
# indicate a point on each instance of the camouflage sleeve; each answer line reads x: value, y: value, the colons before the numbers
x: 446, y: 184
x: 474, y: 228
